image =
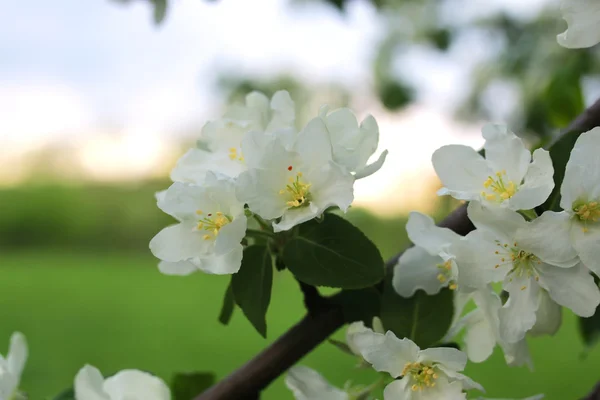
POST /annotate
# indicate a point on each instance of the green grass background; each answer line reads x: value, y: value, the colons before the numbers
x: 86, y: 290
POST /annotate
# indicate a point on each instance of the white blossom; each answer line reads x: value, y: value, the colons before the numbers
x: 222, y: 139
x: 352, y: 145
x: 576, y: 230
x: 298, y: 184
x: 127, y: 384
x: 211, y: 227
x: 482, y: 331
x: 494, y: 252
x: 583, y: 20
x: 426, y: 374
x: 508, y: 176
x: 308, y: 384
x: 12, y: 366
x: 429, y: 265
x: 358, y: 327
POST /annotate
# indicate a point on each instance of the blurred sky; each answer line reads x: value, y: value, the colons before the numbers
x: 74, y: 71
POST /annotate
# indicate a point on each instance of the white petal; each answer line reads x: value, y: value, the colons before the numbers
x: 445, y: 390
x: 573, y: 288
x: 17, y: 355
x: 500, y: 221
x: 136, y: 385
x: 480, y: 339
x: 462, y: 171
x: 397, y: 390
x: 180, y: 268
x: 331, y: 186
x: 548, y: 316
x: 313, y: 143
x: 582, y: 173
x: 182, y: 200
x: 583, y: 18
x: 296, y: 216
x: 477, y: 259
x: 423, y: 232
x: 539, y: 182
x: 89, y: 384
x: 548, y: 237
x: 517, y: 354
x: 308, y: 384
x: 371, y: 168
x: 386, y: 352
x: 465, y: 382
x: 225, y: 264
x: 417, y: 269
x: 178, y: 242
x: 517, y: 316
x: 354, y: 328
x: 253, y: 145
x: 260, y: 191
x: 587, y: 244
x: 505, y: 151
x: 284, y: 111
x: 451, y: 358
x: 230, y: 236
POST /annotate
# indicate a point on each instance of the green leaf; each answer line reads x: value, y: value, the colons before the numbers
x: 160, y: 10
x: 186, y: 386
x: 68, y: 394
x: 333, y: 253
x: 560, y: 152
x: 359, y: 305
x: 252, y: 285
x: 228, y: 306
x: 422, y: 318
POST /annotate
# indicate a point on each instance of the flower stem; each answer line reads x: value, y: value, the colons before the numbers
x: 258, y: 233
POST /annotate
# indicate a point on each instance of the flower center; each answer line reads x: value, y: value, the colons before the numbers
x: 498, y: 189
x: 587, y: 212
x: 297, y: 190
x: 446, y: 274
x: 235, y: 155
x: 423, y: 376
x: 522, y: 262
x: 212, y: 223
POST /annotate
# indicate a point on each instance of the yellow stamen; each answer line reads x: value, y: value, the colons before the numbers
x: 500, y: 190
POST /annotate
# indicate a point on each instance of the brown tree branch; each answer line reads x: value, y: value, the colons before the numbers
x: 322, y: 321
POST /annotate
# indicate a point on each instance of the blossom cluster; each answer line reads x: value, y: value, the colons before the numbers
x: 254, y: 162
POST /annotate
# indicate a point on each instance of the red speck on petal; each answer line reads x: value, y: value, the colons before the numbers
x: 290, y: 168
x: 210, y: 215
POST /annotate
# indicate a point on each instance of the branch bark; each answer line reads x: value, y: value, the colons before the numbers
x: 323, y: 320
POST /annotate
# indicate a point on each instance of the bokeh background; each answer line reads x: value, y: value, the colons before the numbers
x: 97, y: 101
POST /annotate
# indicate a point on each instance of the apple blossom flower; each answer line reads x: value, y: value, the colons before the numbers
x: 508, y: 176
x: 222, y: 139
x: 429, y: 265
x: 494, y: 252
x: 358, y: 327
x: 482, y: 331
x: 576, y: 230
x: 583, y: 20
x: 12, y: 366
x: 352, y: 145
x: 426, y: 374
x: 211, y: 227
x: 308, y: 384
x: 298, y: 184
x: 128, y: 384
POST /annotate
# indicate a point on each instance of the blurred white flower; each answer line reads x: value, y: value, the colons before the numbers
x: 429, y: 265
x: 296, y: 184
x: 12, y: 366
x: 352, y: 145
x: 308, y: 384
x: 426, y: 374
x: 127, y: 384
x: 211, y: 227
x: 222, y: 139
x: 494, y: 253
x: 583, y: 20
x: 576, y: 230
x: 506, y: 177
